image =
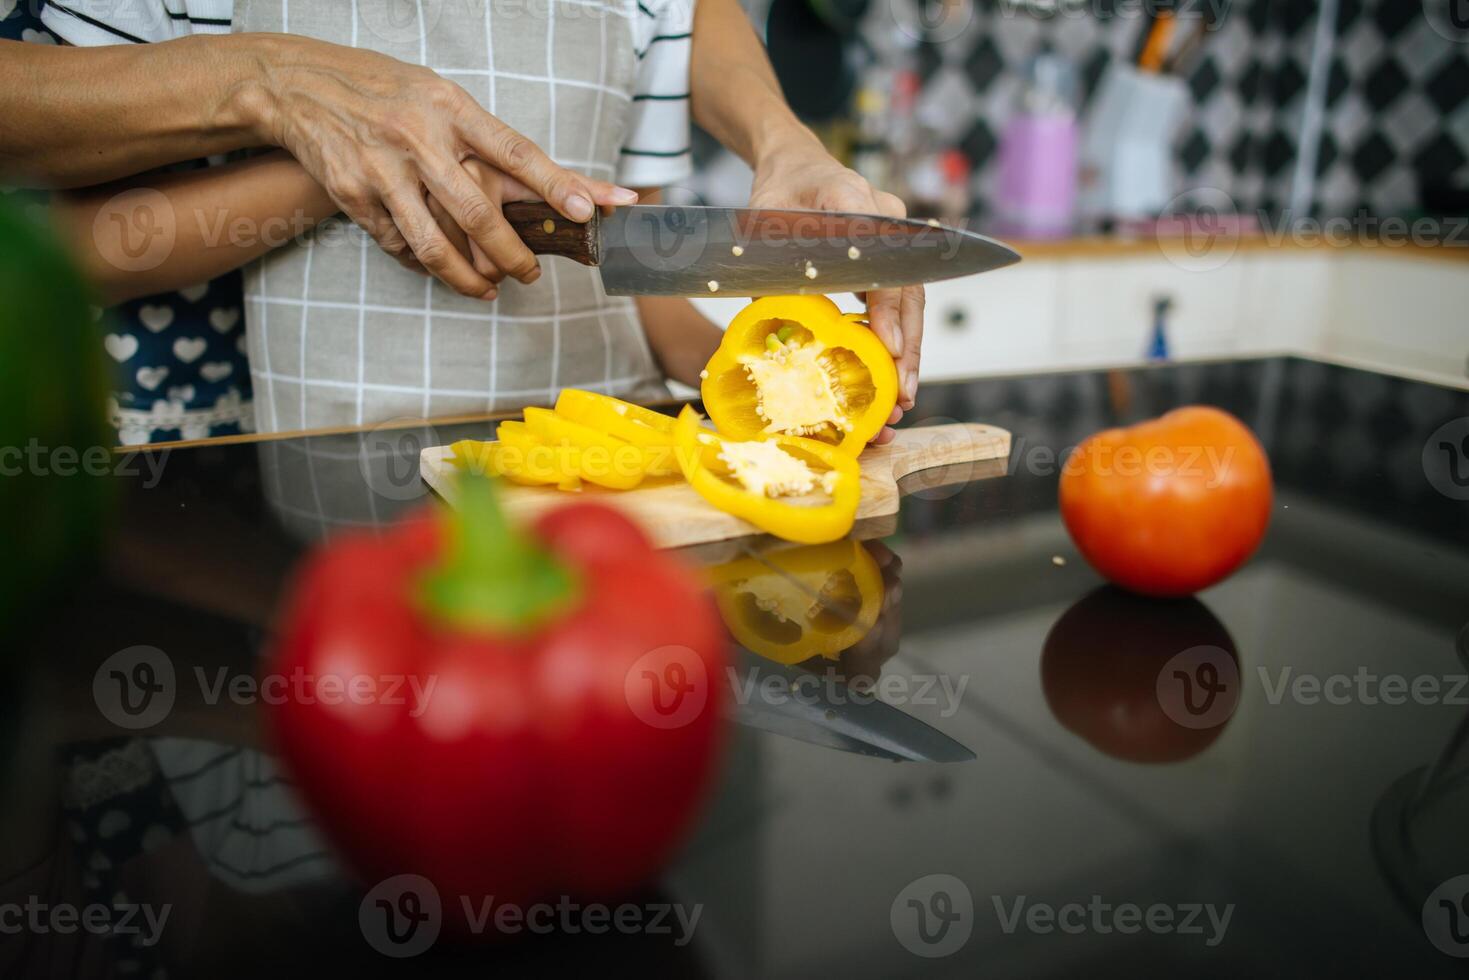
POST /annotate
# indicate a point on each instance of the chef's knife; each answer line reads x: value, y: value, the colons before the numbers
x: 665, y: 250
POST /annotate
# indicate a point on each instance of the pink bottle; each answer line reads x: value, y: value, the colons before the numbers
x: 1035, y: 194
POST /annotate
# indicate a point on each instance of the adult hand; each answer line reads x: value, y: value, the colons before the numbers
x: 801, y: 174
x: 499, y: 188
x: 379, y: 134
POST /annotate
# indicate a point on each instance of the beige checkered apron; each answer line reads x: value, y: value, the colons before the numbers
x: 340, y: 334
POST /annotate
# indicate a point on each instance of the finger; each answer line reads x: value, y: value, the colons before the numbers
x: 908, y: 314
x: 911, y: 318
x: 851, y: 193
x: 483, y: 264
x: 434, y: 250
x: 886, y: 434
x: 462, y: 242
x: 380, y: 225
x: 493, y: 183
x: 605, y: 193
x: 509, y: 151
x: 480, y: 217
x: 884, y: 315
x: 375, y: 220
x: 890, y: 205
x: 448, y: 225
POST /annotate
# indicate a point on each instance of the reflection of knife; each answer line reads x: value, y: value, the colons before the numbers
x: 658, y: 250
x: 764, y: 699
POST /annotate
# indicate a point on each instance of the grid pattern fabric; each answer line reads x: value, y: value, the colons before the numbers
x: 340, y: 334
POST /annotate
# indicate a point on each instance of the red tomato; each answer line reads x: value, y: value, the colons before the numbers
x: 560, y: 751
x: 1169, y: 506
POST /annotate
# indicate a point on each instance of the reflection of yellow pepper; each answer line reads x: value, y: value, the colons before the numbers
x: 651, y: 431
x: 801, y: 471
x: 789, y: 606
x: 796, y: 365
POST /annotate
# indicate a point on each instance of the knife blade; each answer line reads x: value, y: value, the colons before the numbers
x: 671, y: 250
x: 778, y: 699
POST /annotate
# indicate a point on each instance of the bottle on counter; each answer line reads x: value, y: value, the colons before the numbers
x: 1158, y: 340
x: 1036, y: 186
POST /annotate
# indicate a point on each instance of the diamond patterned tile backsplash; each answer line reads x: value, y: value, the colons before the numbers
x: 1396, y: 107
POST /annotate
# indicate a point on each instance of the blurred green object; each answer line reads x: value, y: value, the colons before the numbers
x: 55, y: 444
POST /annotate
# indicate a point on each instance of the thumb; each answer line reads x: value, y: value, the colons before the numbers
x: 603, y: 193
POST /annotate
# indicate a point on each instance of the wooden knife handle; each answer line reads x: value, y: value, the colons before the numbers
x: 546, y: 232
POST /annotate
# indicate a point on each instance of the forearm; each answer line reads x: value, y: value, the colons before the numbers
x: 74, y: 117
x: 734, y: 91
x: 221, y: 218
x: 682, y: 338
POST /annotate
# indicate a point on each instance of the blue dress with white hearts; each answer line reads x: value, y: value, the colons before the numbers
x: 180, y: 370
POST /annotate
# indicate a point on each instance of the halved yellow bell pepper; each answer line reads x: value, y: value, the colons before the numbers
x: 798, y: 366
x: 790, y: 606
x: 651, y: 431
x: 820, y: 484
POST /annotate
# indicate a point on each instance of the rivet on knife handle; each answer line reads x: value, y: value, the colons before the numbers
x: 546, y: 232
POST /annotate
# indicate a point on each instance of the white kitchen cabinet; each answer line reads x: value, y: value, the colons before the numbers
x: 1397, y: 311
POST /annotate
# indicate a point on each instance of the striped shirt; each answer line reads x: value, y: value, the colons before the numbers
x: 84, y: 23
x: 656, y: 148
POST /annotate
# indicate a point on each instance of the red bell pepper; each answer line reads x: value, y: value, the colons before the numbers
x: 554, y: 722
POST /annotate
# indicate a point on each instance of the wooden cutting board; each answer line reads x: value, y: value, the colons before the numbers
x: 675, y: 516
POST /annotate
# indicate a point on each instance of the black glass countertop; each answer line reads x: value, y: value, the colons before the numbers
x: 1015, y: 774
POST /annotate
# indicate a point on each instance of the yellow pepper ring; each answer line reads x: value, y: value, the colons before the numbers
x: 827, y: 373
x: 698, y: 457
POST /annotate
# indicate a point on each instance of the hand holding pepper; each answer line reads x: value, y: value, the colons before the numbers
x: 802, y: 174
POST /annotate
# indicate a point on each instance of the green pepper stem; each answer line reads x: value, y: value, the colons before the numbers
x: 493, y: 577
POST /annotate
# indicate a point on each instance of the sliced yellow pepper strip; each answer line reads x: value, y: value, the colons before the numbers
x: 585, y: 452
x: 651, y: 431
x: 794, y: 519
x: 515, y: 459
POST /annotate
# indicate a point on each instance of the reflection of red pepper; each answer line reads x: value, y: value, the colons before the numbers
x: 533, y: 712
